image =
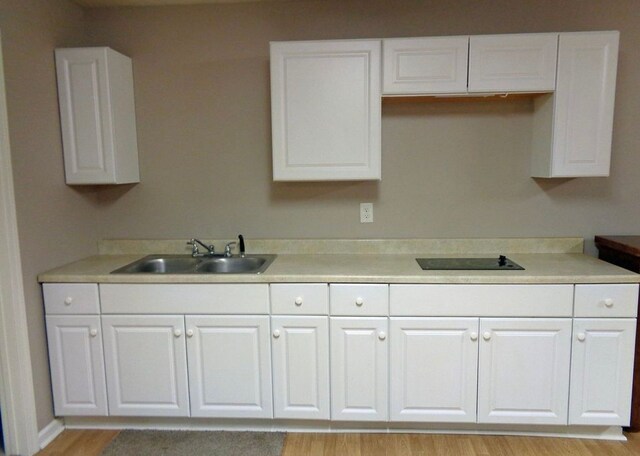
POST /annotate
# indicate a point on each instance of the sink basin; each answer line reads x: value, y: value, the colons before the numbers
x: 186, y: 264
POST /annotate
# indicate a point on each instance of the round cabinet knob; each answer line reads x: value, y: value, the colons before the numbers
x: 382, y: 335
x: 298, y: 301
x: 581, y: 337
x: 474, y: 336
x: 276, y: 334
x: 608, y: 302
x: 189, y: 332
x: 486, y: 335
x: 68, y: 300
x: 359, y: 302
x: 93, y: 332
x: 177, y: 332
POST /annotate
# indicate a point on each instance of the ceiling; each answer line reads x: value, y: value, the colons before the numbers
x: 95, y: 3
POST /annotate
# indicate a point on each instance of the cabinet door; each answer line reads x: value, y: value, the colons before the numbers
x: 524, y: 370
x: 77, y: 365
x: 434, y: 366
x: 513, y: 63
x: 325, y: 110
x: 359, y: 369
x: 602, y: 371
x: 229, y: 366
x: 425, y: 65
x: 300, y: 367
x: 146, y: 362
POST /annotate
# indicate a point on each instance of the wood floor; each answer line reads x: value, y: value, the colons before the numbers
x: 92, y: 443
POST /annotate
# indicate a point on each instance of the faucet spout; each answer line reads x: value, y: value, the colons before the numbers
x: 194, y: 248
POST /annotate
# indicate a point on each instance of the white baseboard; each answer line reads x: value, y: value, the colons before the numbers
x: 50, y: 432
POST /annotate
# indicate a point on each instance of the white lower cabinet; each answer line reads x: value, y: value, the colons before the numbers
x: 300, y: 348
x: 602, y: 371
x: 524, y: 370
x: 433, y: 369
x: 77, y: 365
x: 359, y: 369
x: 229, y: 366
x: 146, y: 365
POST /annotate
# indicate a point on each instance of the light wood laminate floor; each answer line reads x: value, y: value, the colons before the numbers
x: 92, y: 443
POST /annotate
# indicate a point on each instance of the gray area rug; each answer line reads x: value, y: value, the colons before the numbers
x: 196, y: 443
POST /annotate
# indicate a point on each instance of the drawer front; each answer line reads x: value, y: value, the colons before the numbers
x: 611, y: 300
x: 481, y: 300
x: 359, y: 299
x: 185, y: 299
x: 300, y: 299
x: 71, y: 298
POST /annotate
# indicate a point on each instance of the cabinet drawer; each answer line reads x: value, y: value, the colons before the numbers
x: 71, y: 298
x: 481, y: 300
x: 612, y: 300
x: 300, y: 299
x: 359, y: 299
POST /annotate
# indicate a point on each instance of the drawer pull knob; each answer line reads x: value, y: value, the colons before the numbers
x: 177, y: 332
x: 382, y: 335
x: 581, y: 337
x: 93, y: 332
x: 608, y: 302
x: 276, y: 334
x: 359, y: 302
x: 474, y: 336
x: 486, y: 335
x: 68, y: 300
x: 298, y: 301
x: 189, y: 332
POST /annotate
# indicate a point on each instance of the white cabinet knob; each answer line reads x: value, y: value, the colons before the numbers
x: 276, y: 334
x: 68, y: 300
x: 581, y: 337
x: 298, y: 301
x: 382, y: 335
x: 177, y: 332
x: 359, y: 302
x: 608, y: 302
x: 189, y: 332
x: 486, y: 335
x: 474, y: 336
x: 93, y: 332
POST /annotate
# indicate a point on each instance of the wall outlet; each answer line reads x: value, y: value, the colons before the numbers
x: 366, y: 212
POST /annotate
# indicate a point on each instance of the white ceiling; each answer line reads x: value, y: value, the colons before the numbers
x: 94, y: 3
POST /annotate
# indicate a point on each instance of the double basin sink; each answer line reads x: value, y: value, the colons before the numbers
x: 186, y: 264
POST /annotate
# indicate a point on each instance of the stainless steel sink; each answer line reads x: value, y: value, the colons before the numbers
x: 186, y: 264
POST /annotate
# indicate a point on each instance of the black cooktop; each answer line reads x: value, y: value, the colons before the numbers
x: 500, y: 263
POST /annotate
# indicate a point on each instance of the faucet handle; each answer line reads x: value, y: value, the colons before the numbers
x: 194, y: 246
x: 228, y: 247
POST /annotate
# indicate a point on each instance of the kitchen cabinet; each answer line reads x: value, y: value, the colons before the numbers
x: 146, y: 365
x: 300, y: 347
x: 229, y: 366
x: 434, y: 369
x: 326, y: 110
x: 97, y: 116
x: 359, y: 369
x: 523, y: 370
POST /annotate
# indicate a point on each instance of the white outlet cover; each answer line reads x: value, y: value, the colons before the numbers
x: 366, y: 212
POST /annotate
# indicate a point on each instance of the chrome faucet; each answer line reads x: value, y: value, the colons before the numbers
x: 194, y: 248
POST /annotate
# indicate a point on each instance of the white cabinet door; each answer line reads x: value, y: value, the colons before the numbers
x: 580, y: 144
x: 97, y: 115
x: 300, y: 347
x: 513, y: 63
x: 425, y: 65
x: 359, y: 369
x: 229, y: 366
x: 524, y: 370
x: 602, y: 371
x: 325, y: 110
x: 146, y: 363
x: 433, y: 369
x: 77, y: 365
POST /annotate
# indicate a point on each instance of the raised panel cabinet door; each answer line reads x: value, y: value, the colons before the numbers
x: 326, y: 110
x: 146, y: 363
x: 513, y: 63
x: 300, y: 348
x: 229, y: 366
x: 524, y: 370
x: 433, y: 369
x: 425, y: 65
x: 77, y: 365
x: 359, y: 369
x: 602, y: 371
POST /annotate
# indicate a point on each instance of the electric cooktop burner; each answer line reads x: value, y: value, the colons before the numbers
x: 501, y: 263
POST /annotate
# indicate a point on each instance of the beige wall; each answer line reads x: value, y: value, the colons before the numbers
x: 56, y: 223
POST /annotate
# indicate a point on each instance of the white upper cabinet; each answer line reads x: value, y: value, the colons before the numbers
x: 325, y: 110
x: 425, y: 65
x: 513, y: 63
x: 97, y: 115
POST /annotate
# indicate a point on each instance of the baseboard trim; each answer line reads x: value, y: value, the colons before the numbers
x: 50, y: 432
